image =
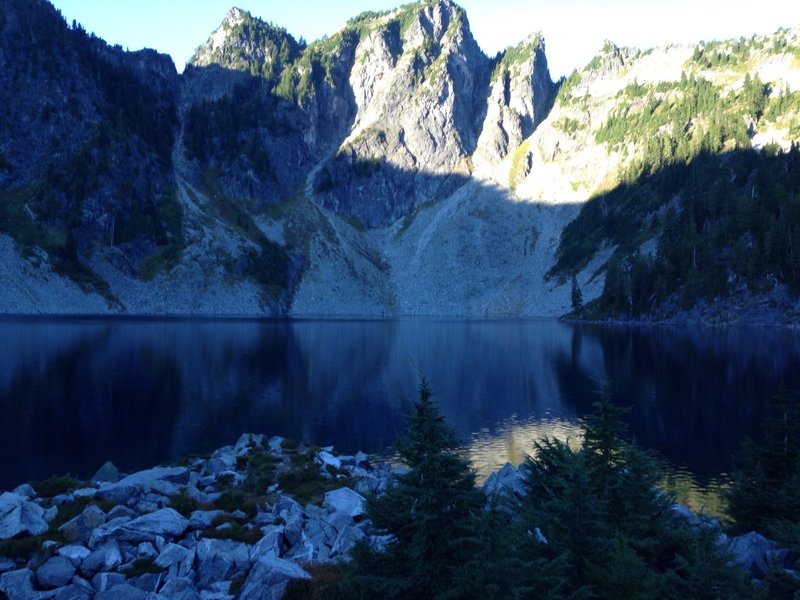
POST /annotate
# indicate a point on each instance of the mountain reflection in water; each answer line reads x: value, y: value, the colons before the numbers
x: 77, y: 392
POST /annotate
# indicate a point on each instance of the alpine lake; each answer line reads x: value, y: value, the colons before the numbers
x: 75, y: 392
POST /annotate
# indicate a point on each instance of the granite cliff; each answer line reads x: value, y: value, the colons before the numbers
x: 390, y: 169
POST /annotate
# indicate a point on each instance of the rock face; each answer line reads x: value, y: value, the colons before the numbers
x: 420, y: 113
x: 390, y: 169
x: 106, y: 117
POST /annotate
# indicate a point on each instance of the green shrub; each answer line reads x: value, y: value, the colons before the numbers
x: 59, y: 484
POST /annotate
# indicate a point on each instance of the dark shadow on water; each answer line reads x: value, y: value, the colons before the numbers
x: 74, y: 394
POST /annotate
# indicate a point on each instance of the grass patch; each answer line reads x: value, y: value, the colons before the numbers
x: 21, y: 546
x: 517, y: 162
x: 289, y: 444
x: 54, y: 486
x: 238, y: 530
x: 142, y: 566
x: 322, y: 577
x: 308, y: 486
x: 259, y: 470
x: 184, y: 503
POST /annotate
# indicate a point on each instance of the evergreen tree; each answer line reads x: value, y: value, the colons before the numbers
x: 766, y: 488
x: 577, y: 296
x: 602, y: 518
x: 431, y: 512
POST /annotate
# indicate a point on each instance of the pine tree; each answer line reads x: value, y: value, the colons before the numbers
x: 612, y: 531
x: 577, y: 296
x: 766, y: 489
x: 431, y: 513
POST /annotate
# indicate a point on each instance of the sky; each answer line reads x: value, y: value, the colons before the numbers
x: 574, y: 30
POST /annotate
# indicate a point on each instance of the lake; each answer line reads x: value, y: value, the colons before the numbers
x: 77, y: 392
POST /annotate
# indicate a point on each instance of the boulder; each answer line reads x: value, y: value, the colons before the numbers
x: 320, y: 532
x: 346, y: 501
x: 293, y: 529
x: 220, y: 560
x: 70, y: 592
x: 247, y: 441
x: 275, y: 443
x: 81, y: 583
x: 26, y: 490
x: 105, y: 581
x: 104, y: 558
x: 20, y: 515
x: 347, y: 538
x: 286, y: 510
x: 347, y: 460
x: 107, y: 473
x: 302, y: 551
x: 271, y: 545
x: 507, y: 480
x: 368, y: 485
x: 56, y: 572
x: 221, y: 460
x: 179, y: 588
x: 122, y: 591
x: 164, y: 480
x: 268, y: 578
x: 74, y: 553
x: 87, y: 492
x: 326, y: 459
x: 147, y: 582
x: 166, y: 522
x: 200, y: 497
x: 6, y: 564
x: 753, y: 552
x: 178, y: 560
x: 146, y: 550
x: 18, y: 584
x: 362, y: 460
x: 121, y: 511
x: 81, y: 527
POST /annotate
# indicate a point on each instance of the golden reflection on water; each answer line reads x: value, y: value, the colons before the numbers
x: 707, y: 498
x: 513, y: 440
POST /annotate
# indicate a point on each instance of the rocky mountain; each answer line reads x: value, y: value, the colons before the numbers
x: 390, y: 169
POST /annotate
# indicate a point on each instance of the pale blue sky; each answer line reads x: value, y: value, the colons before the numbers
x: 574, y: 30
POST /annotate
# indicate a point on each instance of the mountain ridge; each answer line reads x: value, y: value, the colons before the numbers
x: 390, y: 169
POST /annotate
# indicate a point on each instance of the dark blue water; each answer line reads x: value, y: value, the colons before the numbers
x: 75, y: 393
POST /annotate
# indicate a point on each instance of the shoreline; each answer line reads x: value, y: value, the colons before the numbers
x: 241, y: 522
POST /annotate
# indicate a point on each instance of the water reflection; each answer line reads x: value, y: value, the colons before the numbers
x: 513, y: 442
x: 74, y: 393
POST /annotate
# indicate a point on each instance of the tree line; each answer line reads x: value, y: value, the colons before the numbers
x: 591, y: 524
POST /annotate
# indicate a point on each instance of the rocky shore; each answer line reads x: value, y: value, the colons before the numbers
x: 240, y: 523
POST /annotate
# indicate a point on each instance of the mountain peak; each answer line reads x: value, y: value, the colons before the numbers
x: 246, y: 43
x: 235, y: 16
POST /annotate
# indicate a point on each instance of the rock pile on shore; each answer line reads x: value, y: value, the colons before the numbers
x: 239, y: 523
x: 179, y: 532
